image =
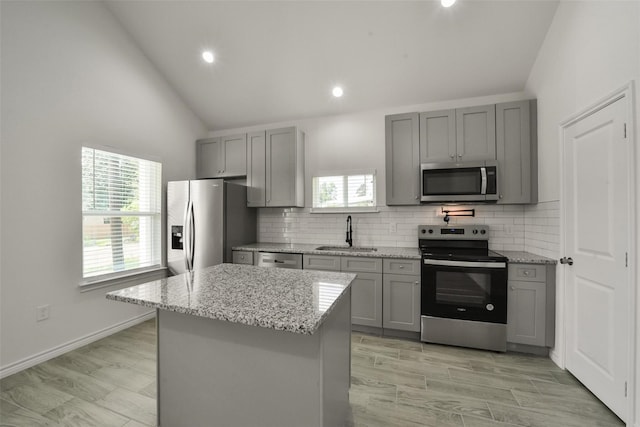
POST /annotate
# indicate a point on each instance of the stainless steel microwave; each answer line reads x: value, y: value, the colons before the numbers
x: 459, y: 182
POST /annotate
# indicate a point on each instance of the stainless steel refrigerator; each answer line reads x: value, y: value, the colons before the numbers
x: 205, y: 219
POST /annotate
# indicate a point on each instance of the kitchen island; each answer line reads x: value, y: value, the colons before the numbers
x: 247, y: 346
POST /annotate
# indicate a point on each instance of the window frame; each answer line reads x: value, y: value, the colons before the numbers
x: 344, y: 209
x: 156, y: 240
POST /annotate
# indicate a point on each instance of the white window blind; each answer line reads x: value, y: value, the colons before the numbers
x: 121, y: 214
x: 344, y: 191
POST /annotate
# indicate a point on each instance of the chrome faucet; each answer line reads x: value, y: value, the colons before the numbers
x: 349, y: 232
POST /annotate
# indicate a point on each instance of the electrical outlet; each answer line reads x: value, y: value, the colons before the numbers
x: 393, y: 227
x: 42, y: 312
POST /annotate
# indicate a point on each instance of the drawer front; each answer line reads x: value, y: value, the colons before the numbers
x: 361, y: 264
x: 243, y: 257
x: 401, y: 266
x: 527, y: 272
x: 279, y: 260
x: 321, y: 262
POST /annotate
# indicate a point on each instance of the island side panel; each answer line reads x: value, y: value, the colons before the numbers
x: 213, y: 372
x: 336, y: 363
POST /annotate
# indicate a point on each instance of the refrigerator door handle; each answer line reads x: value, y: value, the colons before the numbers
x: 186, y: 237
x: 192, y: 237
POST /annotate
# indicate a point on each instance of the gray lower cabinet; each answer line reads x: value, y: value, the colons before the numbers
x: 366, y: 290
x: 321, y: 262
x: 366, y: 300
x: 517, y: 152
x: 401, y: 302
x: 222, y: 156
x: 243, y: 257
x: 402, y: 157
x: 531, y: 305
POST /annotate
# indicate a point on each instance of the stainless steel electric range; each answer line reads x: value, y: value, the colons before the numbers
x: 463, y: 288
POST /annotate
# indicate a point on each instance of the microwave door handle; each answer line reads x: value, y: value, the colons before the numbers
x: 483, y: 188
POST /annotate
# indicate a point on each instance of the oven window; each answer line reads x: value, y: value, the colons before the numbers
x: 443, y: 182
x: 463, y: 289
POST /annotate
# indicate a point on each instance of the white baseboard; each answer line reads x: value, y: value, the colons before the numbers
x: 30, y: 361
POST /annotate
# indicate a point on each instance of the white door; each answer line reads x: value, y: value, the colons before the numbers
x: 597, y: 233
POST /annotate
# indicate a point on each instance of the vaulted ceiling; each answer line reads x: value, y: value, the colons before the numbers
x: 278, y: 60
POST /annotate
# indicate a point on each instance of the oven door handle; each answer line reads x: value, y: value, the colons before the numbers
x: 471, y: 264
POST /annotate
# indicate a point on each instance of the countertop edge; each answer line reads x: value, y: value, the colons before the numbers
x: 304, y: 328
x: 514, y: 257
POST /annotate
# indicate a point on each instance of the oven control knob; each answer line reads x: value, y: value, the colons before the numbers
x: 483, y: 231
x: 475, y: 231
x: 423, y: 231
x: 490, y: 307
x: 431, y: 231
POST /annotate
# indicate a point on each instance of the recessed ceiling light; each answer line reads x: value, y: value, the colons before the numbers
x: 208, y: 57
x: 337, y: 91
x: 447, y: 3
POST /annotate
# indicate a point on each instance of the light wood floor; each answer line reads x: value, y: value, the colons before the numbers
x: 112, y: 382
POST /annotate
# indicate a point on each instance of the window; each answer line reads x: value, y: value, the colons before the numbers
x: 121, y: 214
x: 348, y: 192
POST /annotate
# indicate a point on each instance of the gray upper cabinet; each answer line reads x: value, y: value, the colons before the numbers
x: 256, y: 169
x: 208, y: 158
x: 516, y: 143
x: 222, y: 156
x: 284, y: 168
x: 402, y: 156
x: 438, y: 136
x: 476, y: 133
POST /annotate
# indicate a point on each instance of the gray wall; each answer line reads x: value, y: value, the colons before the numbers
x: 70, y: 76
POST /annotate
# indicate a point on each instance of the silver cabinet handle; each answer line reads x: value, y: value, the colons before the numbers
x: 401, y: 267
x: 416, y: 283
x: 513, y: 288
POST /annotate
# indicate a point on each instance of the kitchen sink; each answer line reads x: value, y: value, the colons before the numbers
x: 345, y: 249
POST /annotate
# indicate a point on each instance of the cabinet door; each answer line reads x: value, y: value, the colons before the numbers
x: 366, y: 300
x: 438, y: 136
x: 234, y: 155
x: 526, y: 312
x: 402, y: 145
x: 401, y: 302
x: 476, y: 133
x: 208, y: 154
x: 283, y: 168
x: 516, y: 153
x: 256, y: 166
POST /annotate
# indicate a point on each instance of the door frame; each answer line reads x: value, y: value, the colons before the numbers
x: 559, y: 354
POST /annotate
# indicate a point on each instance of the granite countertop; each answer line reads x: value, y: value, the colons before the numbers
x: 380, y: 252
x: 520, y: 257
x: 288, y: 300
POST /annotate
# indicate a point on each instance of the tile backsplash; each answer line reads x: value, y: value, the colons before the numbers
x: 532, y: 228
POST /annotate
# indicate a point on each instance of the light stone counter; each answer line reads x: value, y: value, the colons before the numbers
x: 520, y: 257
x: 241, y: 345
x: 380, y: 252
x: 287, y: 300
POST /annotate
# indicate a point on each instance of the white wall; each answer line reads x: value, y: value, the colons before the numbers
x: 592, y: 48
x: 70, y: 76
